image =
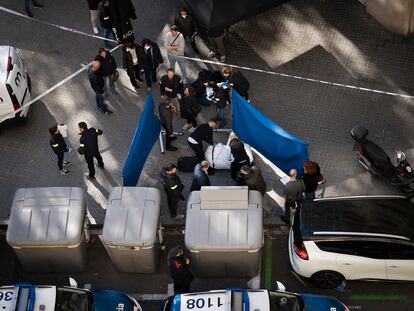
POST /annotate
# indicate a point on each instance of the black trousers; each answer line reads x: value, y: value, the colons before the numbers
x: 198, y: 149
x: 168, y: 134
x: 172, y: 206
x: 235, y: 168
x: 134, y: 76
x: 60, y: 156
x: 181, y: 288
x: 291, y: 205
x: 91, y: 165
x: 150, y: 76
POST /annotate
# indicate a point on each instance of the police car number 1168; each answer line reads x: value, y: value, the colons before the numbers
x: 206, y: 302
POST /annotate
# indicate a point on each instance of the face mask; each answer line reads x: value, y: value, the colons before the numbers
x: 205, y: 84
x: 147, y: 47
x: 226, y: 76
x: 184, y: 16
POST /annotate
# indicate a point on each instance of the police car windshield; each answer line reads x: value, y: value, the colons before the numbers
x: 69, y: 299
x: 281, y: 301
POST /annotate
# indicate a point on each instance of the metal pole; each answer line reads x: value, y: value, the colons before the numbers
x: 161, y: 143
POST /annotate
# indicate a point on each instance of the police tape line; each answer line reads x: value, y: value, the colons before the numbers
x: 58, y: 84
x: 347, y: 86
x: 2, y: 8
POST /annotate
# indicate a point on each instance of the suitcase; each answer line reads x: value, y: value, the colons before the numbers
x: 187, y: 164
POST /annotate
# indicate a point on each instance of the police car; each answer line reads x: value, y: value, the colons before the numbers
x: 252, y: 300
x: 26, y: 297
x: 15, y: 86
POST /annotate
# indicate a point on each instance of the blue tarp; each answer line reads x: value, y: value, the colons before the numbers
x: 257, y: 130
x: 145, y: 136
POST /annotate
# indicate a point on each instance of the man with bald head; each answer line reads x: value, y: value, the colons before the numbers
x: 97, y: 83
x: 293, y: 194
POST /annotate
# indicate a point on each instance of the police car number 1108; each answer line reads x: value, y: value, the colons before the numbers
x: 204, y: 302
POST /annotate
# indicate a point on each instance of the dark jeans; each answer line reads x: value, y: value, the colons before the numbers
x: 198, y: 149
x: 100, y: 101
x: 150, y: 76
x: 172, y: 206
x: 168, y: 134
x: 192, y: 121
x: 181, y: 288
x: 60, y: 156
x: 221, y: 113
x: 134, y: 76
x: 107, y: 35
x: 27, y: 5
x: 91, y: 165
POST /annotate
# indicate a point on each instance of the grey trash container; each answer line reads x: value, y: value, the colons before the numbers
x: 131, y: 229
x: 224, y: 231
x: 46, y: 229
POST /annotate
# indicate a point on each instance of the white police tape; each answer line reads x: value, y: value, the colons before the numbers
x: 348, y: 86
x: 2, y: 8
x: 58, y: 84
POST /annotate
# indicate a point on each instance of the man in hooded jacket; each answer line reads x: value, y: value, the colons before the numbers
x: 179, y: 267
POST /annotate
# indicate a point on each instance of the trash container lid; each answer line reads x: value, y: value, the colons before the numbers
x: 132, y: 217
x: 51, y: 216
x: 222, y: 228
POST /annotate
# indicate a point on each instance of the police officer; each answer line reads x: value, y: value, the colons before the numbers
x: 173, y: 188
x: 58, y: 144
x: 89, y: 147
x: 179, y: 267
x: 239, y: 154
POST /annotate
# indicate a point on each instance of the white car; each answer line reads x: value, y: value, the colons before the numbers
x: 15, y: 86
x: 353, y: 238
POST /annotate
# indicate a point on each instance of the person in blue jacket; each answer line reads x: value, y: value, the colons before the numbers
x: 200, y: 177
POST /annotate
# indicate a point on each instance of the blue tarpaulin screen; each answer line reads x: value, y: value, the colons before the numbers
x: 145, y: 136
x: 257, y: 130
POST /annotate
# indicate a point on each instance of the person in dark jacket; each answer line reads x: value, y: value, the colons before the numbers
x: 97, y: 84
x: 189, y: 109
x: 216, y: 39
x: 27, y: 6
x: 202, y: 132
x: 58, y: 144
x: 187, y: 26
x: 220, y: 98
x: 309, y: 179
x: 239, y: 154
x: 107, y: 68
x: 237, y: 81
x: 179, y: 267
x: 88, y: 146
x: 171, y: 85
x: 121, y: 12
x: 149, y: 58
x: 93, y: 8
x: 106, y: 21
x: 132, y: 64
x: 200, y: 176
x: 173, y: 188
x: 293, y: 195
x: 166, y: 111
x: 253, y: 178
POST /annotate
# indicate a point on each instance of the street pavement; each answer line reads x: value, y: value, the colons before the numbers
x: 329, y: 40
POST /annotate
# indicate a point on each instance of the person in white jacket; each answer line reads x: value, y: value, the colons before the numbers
x: 174, y: 42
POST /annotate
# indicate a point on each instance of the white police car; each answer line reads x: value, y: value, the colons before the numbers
x: 26, y: 297
x: 15, y: 86
x: 252, y: 300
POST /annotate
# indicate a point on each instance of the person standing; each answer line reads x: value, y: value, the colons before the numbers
x: 106, y: 21
x: 175, y: 44
x: 150, y: 58
x: 239, y: 154
x: 58, y: 144
x: 35, y: 4
x: 88, y: 146
x: 93, y: 8
x: 293, y: 195
x: 202, y: 132
x: 216, y: 39
x: 253, y: 178
x: 187, y: 26
x: 220, y: 98
x: 237, y: 81
x: 179, y: 267
x: 200, y: 176
x: 189, y: 109
x: 171, y: 85
x: 97, y: 84
x: 166, y: 110
x: 310, y: 179
x: 131, y: 63
x: 107, y: 68
x: 173, y: 188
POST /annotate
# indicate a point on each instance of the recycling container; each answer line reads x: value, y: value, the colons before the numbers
x: 131, y: 232
x: 47, y: 229
x: 224, y: 231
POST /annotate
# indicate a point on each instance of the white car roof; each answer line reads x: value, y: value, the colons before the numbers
x: 44, y: 295
x: 4, y: 56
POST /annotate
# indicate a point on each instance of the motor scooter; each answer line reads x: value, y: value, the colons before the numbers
x: 373, y: 158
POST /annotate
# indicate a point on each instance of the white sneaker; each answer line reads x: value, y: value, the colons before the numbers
x: 95, y: 30
x: 178, y: 217
x: 192, y: 129
x: 211, y: 54
x: 64, y: 172
x: 66, y: 163
x: 186, y: 126
x: 222, y: 59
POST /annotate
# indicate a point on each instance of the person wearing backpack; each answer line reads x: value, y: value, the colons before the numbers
x: 189, y: 109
